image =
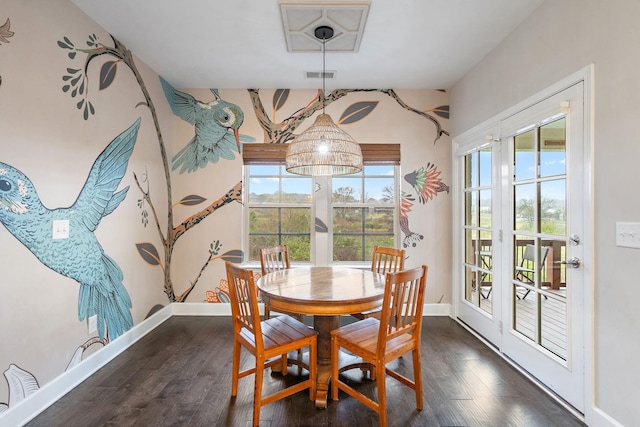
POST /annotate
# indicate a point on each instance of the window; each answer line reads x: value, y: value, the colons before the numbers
x: 279, y: 208
x: 321, y: 219
x: 363, y: 210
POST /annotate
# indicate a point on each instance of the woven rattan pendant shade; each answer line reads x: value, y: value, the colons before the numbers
x: 324, y: 149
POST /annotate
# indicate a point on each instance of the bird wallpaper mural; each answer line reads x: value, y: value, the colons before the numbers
x: 212, y: 122
x: 80, y: 256
x: 150, y: 179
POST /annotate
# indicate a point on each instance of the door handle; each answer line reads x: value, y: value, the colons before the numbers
x: 573, y: 262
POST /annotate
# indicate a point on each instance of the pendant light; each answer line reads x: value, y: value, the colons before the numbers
x: 324, y: 148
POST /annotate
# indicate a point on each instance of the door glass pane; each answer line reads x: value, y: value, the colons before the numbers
x: 471, y: 170
x: 485, y: 208
x: 485, y: 274
x: 472, y: 208
x: 524, y: 316
x: 485, y: 167
x: 525, y: 207
x: 525, y: 158
x: 553, y: 209
x: 553, y: 151
x: 471, y: 246
x: 471, y: 289
x: 553, y: 328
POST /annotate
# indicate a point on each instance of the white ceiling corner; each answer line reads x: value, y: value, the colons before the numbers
x: 300, y: 19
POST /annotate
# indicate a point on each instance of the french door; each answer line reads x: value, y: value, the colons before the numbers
x: 522, y: 240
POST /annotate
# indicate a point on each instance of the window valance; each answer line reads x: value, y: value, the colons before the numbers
x: 255, y: 154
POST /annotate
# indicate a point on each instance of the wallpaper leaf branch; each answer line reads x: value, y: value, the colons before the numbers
x: 283, y: 132
x: 76, y: 84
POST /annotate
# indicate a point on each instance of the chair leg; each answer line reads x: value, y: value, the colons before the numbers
x: 257, y: 391
x: 236, y: 368
x: 381, y: 382
x: 283, y: 364
x: 417, y: 377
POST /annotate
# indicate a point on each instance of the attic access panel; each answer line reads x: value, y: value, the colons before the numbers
x: 300, y: 19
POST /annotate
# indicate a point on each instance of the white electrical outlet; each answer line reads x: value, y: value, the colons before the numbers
x: 60, y: 229
x: 92, y: 324
x: 628, y: 234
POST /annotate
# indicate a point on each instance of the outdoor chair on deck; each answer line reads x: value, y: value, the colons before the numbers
x: 525, y: 272
x: 379, y: 342
x: 266, y: 340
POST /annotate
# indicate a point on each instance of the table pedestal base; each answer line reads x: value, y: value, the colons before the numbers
x: 324, y: 325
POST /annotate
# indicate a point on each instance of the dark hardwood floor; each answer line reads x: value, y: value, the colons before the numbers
x: 180, y: 375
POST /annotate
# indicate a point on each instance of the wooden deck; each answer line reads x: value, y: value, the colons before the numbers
x: 553, y: 319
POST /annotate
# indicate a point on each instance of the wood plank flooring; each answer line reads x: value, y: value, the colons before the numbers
x: 180, y: 375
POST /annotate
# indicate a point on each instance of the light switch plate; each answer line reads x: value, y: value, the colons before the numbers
x: 628, y: 234
x: 92, y: 324
x: 60, y: 229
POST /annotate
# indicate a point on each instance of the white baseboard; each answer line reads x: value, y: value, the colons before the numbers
x: 24, y: 411
x: 602, y: 419
x: 207, y: 309
x: 48, y: 394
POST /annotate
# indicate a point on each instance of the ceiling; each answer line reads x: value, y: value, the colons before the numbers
x: 239, y: 44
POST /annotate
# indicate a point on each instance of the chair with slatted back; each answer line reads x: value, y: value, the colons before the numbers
x: 384, y: 260
x: 379, y: 341
x: 265, y: 340
x: 275, y: 258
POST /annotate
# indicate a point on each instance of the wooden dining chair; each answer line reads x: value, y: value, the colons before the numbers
x: 266, y: 340
x: 379, y: 341
x: 275, y: 258
x: 384, y: 260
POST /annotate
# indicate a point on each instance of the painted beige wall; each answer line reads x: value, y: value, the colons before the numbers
x: 560, y: 38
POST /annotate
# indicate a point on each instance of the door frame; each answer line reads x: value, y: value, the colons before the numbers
x: 461, y: 144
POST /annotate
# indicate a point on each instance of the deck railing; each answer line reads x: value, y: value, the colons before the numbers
x: 553, y: 274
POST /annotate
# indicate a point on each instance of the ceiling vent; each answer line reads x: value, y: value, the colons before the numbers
x: 328, y: 74
x: 300, y: 18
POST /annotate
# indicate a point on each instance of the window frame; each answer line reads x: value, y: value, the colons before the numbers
x: 321, y: 251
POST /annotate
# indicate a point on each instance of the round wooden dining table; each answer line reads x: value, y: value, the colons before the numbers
x: 326, y: 293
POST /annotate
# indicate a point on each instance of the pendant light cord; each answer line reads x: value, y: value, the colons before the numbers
x: 324, y: 73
